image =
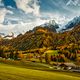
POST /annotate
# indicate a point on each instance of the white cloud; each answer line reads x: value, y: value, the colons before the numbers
x: 60, y: 19
x: 6, y: 28
x: 29, y: 6
x: 21, y: 27
x: 3, y: 13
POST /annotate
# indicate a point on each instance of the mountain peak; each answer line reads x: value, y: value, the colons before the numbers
x: 52, y: 25
x: 71, y: 24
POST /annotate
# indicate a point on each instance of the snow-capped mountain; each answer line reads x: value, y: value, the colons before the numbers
x: 70, y: 25
x: 51, y: 25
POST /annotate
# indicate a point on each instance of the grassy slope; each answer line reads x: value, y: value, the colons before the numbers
x: 8, y: 72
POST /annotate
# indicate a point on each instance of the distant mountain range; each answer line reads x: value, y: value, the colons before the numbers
x: 69, y: 26
x: 52, y: 25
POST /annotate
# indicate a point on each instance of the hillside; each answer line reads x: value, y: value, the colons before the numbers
x: 41, y: 37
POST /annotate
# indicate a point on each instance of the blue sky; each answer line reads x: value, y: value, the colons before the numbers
x: 26, y: 14
x: 11, y: 3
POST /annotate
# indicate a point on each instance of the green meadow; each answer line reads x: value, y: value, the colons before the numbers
x: 11, y: 72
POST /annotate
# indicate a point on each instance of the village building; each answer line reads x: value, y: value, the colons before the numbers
x: 67, y: 66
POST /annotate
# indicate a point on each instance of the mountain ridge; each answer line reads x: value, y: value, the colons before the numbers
x: 43, y: 37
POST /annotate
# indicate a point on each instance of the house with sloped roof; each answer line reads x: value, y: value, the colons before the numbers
x: 67, y: 66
